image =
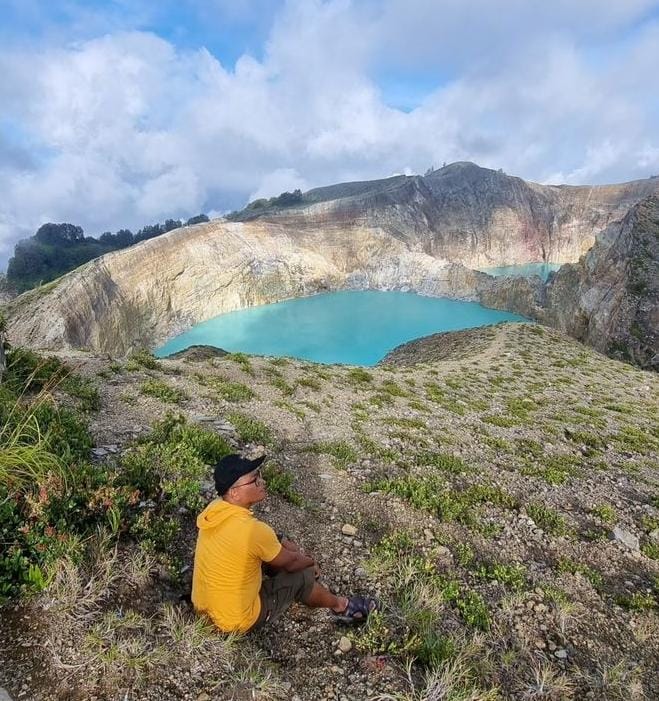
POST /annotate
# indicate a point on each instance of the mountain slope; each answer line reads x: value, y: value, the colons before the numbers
x: 468, y: 214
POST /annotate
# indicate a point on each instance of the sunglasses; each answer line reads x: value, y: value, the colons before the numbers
x: 258, y: 478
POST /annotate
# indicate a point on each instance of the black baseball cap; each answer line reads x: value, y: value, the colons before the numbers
x: 231, y: 468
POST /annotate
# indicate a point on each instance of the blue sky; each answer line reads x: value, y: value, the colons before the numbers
x: 125, y: 112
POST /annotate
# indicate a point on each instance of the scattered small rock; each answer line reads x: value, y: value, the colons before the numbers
x: 344, y: 644
x: 561, y: 654
x: 349, y: 529
x: 629, y: 540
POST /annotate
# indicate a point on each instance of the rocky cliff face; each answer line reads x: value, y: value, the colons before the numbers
x: 417, y: 234
x: 470, y: 215
x: 610, y: 298
x: 143, y: 295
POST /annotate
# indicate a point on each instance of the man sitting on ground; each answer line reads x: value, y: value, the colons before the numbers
x: 232, y: 548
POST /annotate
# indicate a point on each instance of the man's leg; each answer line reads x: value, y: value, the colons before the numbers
x: 279, y: 592
x: 319, y: 597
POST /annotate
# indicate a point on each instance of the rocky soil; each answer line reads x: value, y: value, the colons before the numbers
x: 545, y: 456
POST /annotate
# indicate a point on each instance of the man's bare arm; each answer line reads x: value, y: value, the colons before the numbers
x: 291, y: 560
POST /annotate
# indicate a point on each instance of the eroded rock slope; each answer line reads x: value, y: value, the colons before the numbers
x: 417, y: 234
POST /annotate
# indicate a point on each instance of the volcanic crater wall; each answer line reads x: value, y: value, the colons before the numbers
x: 417, y: 234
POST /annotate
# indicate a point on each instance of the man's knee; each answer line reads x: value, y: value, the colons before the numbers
x: 308, y: 580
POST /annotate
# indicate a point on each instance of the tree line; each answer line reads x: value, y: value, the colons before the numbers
x: 57, y: 248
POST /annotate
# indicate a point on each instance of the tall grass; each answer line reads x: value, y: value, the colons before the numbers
x: 25, y: 453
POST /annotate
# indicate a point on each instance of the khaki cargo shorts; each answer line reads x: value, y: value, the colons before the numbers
x: 279, y: 592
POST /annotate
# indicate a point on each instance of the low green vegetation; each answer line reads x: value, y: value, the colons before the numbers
x: 445, y: 462
x: 166, y: 468
x: 143, y: 358
x: 513, y: 576
x: 553, y: 469
x: 29, y: 372
x: 161, y: 390
x: 343, y: 452
x: 242, y: 360
x: 637, y: 601
x: 547, y: 519
x: 404, y: 422
x: 310, y: 382
x: 566, y: 564
x: 605, y: 512
x: 420, y: 591
x: 251, y: 430
x: 290, y: 407
x: 284, y: 387
x: 434, y: 494
x: 226, y: 389
x: 52, y: 497
x: 281, y: 482
x: 359, y: 376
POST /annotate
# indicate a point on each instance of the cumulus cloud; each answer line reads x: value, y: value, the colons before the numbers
x: 127, y: 128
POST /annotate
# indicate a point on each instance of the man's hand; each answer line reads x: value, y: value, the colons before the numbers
x: 293, y: 547
x: 290, y: 545
x: 291, y: 560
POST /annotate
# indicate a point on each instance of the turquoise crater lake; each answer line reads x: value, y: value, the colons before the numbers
x: 526, y: 270
x: 357, y: 328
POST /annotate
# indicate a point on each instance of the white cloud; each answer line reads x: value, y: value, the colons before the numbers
x: 126, y: 129
x: 280, y: 180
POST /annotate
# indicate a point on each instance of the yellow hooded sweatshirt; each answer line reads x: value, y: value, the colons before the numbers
x: 231, y: 546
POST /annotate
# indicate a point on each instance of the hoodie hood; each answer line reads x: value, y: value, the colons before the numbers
x: 218, y: 511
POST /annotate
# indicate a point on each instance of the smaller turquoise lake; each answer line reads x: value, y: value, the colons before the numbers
x: 541, y: 269
x: 356, y: 328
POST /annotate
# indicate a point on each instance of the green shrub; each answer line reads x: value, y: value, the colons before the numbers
x: 499, y: 420
x: 637, y: 601
x: 280, y: 481
x: 228, y: 390
x: 651, y: 550
x: 287, y: 406
x: 284, y: 387
x: 175, y: 429
x: 243, y: 360
x: 513, y: 576
x: 52, y: 499
x: 251, y: 430
x: 605, y: 512
x: 565, y: 564
x: 310, y: 382
x: 546, y: 518
x: 404, y: 422
x: 342, y: 452
x: 161, y: 390
x: 27, y: 370
x: 84, y: 389
x: 390, y: 387
x: 474, y: 610
x: 442, y: 461
x: 359, y: 376
x: 144, y: 358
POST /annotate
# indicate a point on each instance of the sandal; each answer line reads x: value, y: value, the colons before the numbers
x: 357, y: 610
